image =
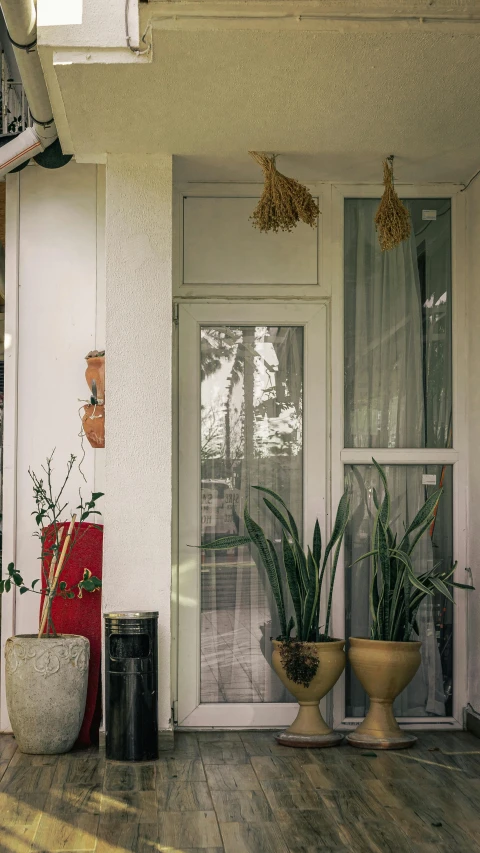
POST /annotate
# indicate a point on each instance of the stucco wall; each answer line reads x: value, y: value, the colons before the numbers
x: 52, y: 258
x: 138, y: 249
x: 473, y: 394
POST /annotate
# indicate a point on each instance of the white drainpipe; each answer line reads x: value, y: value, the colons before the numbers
x: 21, y: 20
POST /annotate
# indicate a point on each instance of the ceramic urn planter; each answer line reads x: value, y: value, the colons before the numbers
x: 309, y: 729
x: 95, y: 372
x: 93, y: 419
x: 93, y: 422
x: 46, y: 686
x: 384, y: 669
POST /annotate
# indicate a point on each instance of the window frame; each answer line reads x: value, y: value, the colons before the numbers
x: 457, y: 456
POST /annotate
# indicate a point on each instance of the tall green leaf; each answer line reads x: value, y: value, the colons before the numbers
x: 311, y: 598
x: 293, y: 581
x: 258, y: 538
x: 334, y: 567
x: 317, y: 543
x: 341, y: 520
x: 422, y: 515
x: 282, y: 502
x: 384, y: 510
x: 384, y: 565
x: 281, y: 607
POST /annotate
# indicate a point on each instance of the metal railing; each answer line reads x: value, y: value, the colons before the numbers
x: 14, y: 107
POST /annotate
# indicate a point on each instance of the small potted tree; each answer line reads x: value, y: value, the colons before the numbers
x: 46, y: 674
x: 387, y: 661
x: 310, y: 662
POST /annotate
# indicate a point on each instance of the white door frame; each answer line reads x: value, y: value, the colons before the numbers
x: 458, y: 456
x: 313, y: 316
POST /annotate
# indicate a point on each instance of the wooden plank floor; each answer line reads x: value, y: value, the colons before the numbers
x: 240, y: 792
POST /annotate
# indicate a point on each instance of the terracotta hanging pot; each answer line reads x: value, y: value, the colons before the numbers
x: 93, y: 421
x: 309, y: 729
x: 95, y: 373
x: 384, y: 668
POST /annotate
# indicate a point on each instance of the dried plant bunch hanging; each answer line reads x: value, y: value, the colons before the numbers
x: 284, y: 201
x: 392, y: 218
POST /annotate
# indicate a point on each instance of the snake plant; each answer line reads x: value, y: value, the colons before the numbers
x: 304, y: 572
x: 396, y: 592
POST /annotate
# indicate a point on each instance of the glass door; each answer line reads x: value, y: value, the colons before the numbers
x: 252, y: 411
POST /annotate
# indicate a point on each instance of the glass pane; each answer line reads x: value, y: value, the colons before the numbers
x: 430, y: 692
x: 398, y: 319
x: 251, y: 434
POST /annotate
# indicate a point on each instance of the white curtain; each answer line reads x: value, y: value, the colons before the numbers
x: 385, y: 408
x: 252, y: 397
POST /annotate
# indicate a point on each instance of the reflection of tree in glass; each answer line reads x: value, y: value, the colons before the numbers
x: 274, y: 412
x: 218, y: 346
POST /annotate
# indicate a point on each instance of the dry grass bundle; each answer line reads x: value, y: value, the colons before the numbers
x: 284, y: 201
x: 392, y: 218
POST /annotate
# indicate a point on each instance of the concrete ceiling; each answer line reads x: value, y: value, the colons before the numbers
x: 334, y: 103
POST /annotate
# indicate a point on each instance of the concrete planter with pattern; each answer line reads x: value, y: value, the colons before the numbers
x: 46, y: 686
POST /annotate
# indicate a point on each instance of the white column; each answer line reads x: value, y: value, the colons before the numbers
x: 138, y: 475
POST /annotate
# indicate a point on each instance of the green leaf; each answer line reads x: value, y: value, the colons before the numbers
x: 70, y: 594
x: 282, y: 502
x: 17, y: 578
x: 385, y: 568
x: 226, y: 542
x: 346, y: 515
x: 281, y: 608
x: 422, y: 515
x: 88, y: 585
x: 384, y: 510
x: 37, y: 580
x: 310, y: 603
x: 258, y: 538
x: 374, y: 597
x: 2, y: 587
x: 278, y: 515
x: 293, y: 580
x: 7, y: 585
x: 414, y: 579
x: 441, y: 587
x: 317, y: 543
x: 341, y: 520
x: 23, y: 589
x: 410, y: 546
x: 63, y: 585
x: 97, y: 495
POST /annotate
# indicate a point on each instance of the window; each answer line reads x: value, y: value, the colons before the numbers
x: 398, y: 395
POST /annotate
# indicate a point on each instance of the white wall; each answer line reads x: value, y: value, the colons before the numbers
x: 52, y: 257
x: 138, y: 251
x: 86, y: 23
x: 473, y: 394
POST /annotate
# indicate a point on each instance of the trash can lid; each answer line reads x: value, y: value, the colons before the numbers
x: 145, y: 614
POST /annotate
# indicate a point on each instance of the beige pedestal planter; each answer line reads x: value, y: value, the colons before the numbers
x: 46, y: 686
x: 383, y: 669
x: 309, y: 729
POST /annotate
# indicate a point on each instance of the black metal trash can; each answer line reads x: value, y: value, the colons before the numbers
x: 131, y: 686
